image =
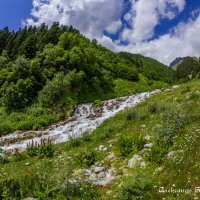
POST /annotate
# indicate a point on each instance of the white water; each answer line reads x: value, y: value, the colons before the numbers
x: 86, y: 120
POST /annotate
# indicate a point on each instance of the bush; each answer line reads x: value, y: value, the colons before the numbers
x: 157, y: 153
x: 129, y: 144
x: 137, y: 187
x: 87, y: 157
x: 44, y: 149
x: 132, y: 115
x: 153, y: 108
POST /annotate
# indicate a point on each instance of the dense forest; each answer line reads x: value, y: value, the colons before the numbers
x: 50, y: 69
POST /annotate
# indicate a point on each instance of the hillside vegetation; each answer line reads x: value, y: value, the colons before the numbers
x: 146, y: 149
x: 45, y: 71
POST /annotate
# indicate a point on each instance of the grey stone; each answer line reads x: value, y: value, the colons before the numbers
x: 98, y: 169
x: 101, y: 147
x: 171, y: 153
x: 102, y: 175
x: 135, y: 161
x: 147, y: 137
x: 110, y: 156
x: 87, y: 172
x: 148, y: 145
x: 105, y: 149
x: 103, y: 181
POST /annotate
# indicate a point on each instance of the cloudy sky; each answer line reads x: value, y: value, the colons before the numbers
x: 162, y: 29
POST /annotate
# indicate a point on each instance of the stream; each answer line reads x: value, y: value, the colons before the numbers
x: 86, y: 119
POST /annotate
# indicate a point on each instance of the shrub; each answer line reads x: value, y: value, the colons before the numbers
x: 157, y: 153
x: 129, y: 144
x: 43, y: 149
x: 136, y: 187
x: 132, y: 115
x: 75, y: 142
x: 125, y: 145
x: 87, y: 157
x: 153, y: 108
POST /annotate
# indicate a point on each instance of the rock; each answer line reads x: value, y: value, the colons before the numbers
x: 93, y: 176
x: 171, y: 153
x: 110, y: 156
x: 112, y: 171
x: 103, y: 181
x: 87, y: 172
x: 175, y: 86
x: 108, y: 175
x: 101, y: 147
x: 27, y: 164
x: 105, y: 149
x: 73, y: 181
x: 97, y: 163
x: 29, y: 198
x: 143, y: 126
x: 102, y: 175
x: 148, y: 145
x: 147, y: 137
x: 98, y: 169
x: 135, y: 161
x: 158, y: 170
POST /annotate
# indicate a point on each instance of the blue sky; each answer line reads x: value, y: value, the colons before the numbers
x: 12, y: 12
x: 163, y: 29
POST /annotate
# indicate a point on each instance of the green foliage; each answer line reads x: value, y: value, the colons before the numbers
x: 19, y: 95
x: 87, y: 157
x: 41, y: 187
x: 132, y: 115
x: 189, y: 66
x: 129, y: 143
x: 43, y: 149
x: 153, y: 108
x: 136, y: 187
x: 54, y: 68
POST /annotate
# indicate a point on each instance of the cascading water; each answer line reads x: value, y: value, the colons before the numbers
x: 86, y: 119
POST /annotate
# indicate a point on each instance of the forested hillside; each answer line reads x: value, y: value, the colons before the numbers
x: 45, y: 71
x: 188, y: 69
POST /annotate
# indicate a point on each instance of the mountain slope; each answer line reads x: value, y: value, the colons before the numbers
x: 136, y: 150
x: 45, y: 71
x: 149, y: 67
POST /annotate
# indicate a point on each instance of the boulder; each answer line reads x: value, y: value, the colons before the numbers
x: 98, y: 169
x: 102, y: 175
x: 110, y: 156
x: 135, y: 161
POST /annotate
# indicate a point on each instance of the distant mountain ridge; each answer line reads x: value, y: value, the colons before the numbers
x: 174, y: 64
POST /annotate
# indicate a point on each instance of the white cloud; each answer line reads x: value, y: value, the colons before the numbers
x: 113, y: 27
x: 183, y: 41
x: 145, y: 15
x: 93, y: 17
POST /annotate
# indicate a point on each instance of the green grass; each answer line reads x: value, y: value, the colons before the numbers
x: 171, y: 118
